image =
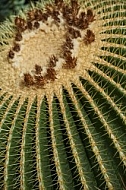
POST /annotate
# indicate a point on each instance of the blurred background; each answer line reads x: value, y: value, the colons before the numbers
x: 8, y: 7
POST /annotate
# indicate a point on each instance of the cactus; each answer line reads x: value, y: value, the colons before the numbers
x: 63, y: 97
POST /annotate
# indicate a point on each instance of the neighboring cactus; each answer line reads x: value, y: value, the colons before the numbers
x: 8, y: 7
x: 63, y: 97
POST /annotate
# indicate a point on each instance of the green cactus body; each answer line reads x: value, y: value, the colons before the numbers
x: 63, y: 97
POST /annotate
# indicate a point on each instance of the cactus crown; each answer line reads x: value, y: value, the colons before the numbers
x: 63, y: 94
x: 48, y: 42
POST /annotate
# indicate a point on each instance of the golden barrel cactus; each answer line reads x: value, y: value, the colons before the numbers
x: 63, y: 96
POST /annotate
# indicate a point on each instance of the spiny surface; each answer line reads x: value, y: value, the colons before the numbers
x: 63, y: 110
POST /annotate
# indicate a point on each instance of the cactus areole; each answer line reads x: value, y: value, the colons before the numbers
x: 63, y: 96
